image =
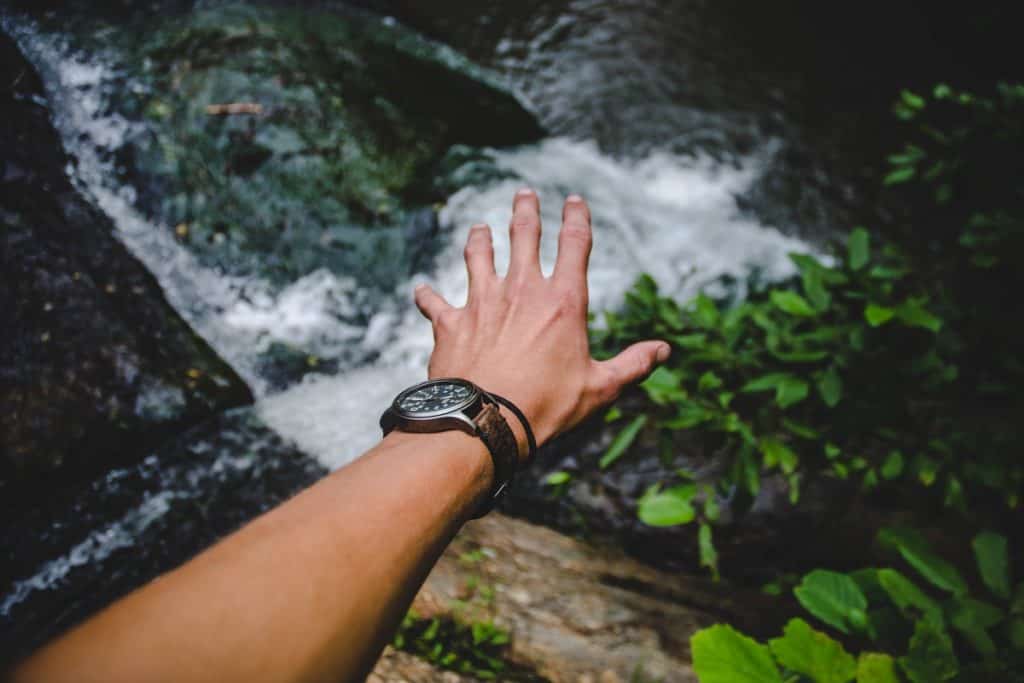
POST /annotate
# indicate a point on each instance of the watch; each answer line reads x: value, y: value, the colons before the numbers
x: 446, y: 404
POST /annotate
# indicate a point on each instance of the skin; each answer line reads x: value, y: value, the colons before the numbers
x: 313, y: 590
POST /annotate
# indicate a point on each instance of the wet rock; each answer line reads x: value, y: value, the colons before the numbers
x: 580, y: 612
x: 278, y: 141
x: 95, y: 366
x: 81, y: 547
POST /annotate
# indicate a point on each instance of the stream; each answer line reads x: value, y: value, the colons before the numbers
x: 680, y: 186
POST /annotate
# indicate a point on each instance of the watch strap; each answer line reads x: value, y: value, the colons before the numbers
x: 496, y: 434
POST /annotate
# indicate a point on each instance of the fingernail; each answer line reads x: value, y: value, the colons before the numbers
x: 574, y: 198
x: 663, y: 353
x: 525, y: 192
x: 420, y: 287
x: 479, y: 226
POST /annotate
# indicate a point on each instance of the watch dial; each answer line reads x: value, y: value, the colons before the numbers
x: 435, y: 398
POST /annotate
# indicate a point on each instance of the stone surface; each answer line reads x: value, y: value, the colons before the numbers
x: 577, y: 612
x: 95, y: 366
x: 81, y: 547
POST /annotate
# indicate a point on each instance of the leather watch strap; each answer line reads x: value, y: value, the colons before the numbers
x: 501, y: 442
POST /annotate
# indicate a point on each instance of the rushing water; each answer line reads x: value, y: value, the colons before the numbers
x: 671, y: 212
x: 672, y: 215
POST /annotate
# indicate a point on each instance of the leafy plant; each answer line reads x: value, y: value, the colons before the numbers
x: 922, y: 635
x: 476, y: 648
x: 889, y: 362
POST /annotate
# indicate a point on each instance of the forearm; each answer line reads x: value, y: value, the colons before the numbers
x: 310, y: 591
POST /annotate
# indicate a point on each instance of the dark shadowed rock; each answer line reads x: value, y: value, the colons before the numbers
x: 95, y: 366
x: 81, y: 547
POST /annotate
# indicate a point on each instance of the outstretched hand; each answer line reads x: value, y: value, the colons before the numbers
x: 524, y: 336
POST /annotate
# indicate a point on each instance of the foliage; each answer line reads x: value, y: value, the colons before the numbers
x: 921, y: 635
x: 475, y: 649
x: 889, y: 362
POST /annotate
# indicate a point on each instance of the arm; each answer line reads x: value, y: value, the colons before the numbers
x: 312, y: 590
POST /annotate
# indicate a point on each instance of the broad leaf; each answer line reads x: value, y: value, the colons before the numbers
x: 905, y: 594
x: 668, y: 508
x: 812, y: 653
x: 790, y: 391
x: 878, y: 315
x: 933, y: 568
x: 663, y: 386
x: 892, y: 466
x: 973, y: 618
x: 767, y: 382
x: 791, y: 303
x: 778, y: 454
x: 993, y: 562
x: 622, y: 441
x: 830, y: 386
x: 930, y: 657
x: 705, y: 312
x: 858, y: 249
x: 913, y: 313
x: 834, y: 598
x: 723, y: 655
x: 875, y: 667
x: 557, y: 478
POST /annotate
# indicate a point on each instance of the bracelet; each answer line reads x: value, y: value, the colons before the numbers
x: 531, y: 442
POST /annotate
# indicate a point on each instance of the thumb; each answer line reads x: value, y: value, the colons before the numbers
x: 636, y: 362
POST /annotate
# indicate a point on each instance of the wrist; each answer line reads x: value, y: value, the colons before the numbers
x: 464, y: 460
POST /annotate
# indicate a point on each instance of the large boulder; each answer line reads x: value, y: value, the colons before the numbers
x: 95, y: 366
x: 82, y: 547
x: 277, y: 140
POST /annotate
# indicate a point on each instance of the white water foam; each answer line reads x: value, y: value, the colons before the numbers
x: 673, y: 217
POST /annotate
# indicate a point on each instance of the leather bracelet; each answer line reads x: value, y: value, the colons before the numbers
x: 531, y: 442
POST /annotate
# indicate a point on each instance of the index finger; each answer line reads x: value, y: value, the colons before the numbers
x: 574, y: 242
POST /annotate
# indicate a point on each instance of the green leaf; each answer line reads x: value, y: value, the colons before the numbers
x: 905, y: 594
x: 705, y: 312
x: 668, y: 508
x: 689, y: 415
x: 557, y: 478
x: 990, y: 551
x: 930, y: 657
x: 892, y: 466
x: 878, y: 315
x: 830, y: 386
x: 814, y: 288
x: 709, y: 380
x: 933, y: 568
x: 790, y: 391
x: 708, y: 554
x: 778, y: 454
x: 622, y: 441
x: 663, y: 386
x: 834, y: 598
x: 812, y: 653
x: 911, y: 100
x: 723, y: 655
x: 900, y: 175
x: 767, y: 382
x: 791, y: 303
x: 973, y: 618
x: 914, y: 314
x: 875, y: 667
x: 613, y: 414
x: 858, y: 248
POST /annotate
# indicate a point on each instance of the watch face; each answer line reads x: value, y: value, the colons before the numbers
x: 437, y: 397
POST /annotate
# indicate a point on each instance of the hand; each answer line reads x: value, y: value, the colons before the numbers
x: 524, y: 336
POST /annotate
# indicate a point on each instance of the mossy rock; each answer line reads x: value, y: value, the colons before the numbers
x: 95, y: 366
x: 345, y: 122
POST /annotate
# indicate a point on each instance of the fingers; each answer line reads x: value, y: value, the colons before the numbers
x: 430, y: 303
x: 574, y: 243
x: 479, y: 255
x: 524, y: 235
x: 632, y: 365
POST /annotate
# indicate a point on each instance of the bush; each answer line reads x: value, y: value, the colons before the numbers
x: 917, y: 635
x: 892, y: 361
